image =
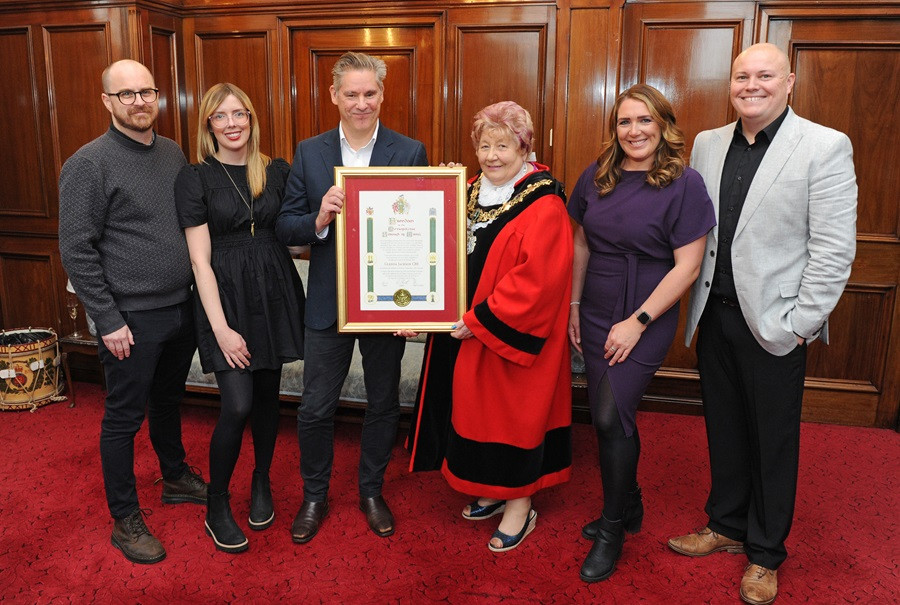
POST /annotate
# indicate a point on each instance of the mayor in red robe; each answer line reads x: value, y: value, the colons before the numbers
x: 493, y: 411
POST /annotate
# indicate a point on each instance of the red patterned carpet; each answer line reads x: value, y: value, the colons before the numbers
x: 54, y: 526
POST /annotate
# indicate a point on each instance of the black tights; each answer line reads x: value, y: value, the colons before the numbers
x: 244, y: 394
x: 618, y: 454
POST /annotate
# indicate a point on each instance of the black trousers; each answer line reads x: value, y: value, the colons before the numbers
x: 752, y: 401
x: 150, y: 381
x: 326, y: 364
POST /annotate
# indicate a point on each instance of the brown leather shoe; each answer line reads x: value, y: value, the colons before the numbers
x: 378, y: 515
x: 131, y: 536
x: 309, y: 518
x: 190, y: 487
x: 759, y: 585
x: 704, y: 542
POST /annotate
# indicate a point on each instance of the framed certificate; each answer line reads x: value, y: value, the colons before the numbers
x: 401, y: 248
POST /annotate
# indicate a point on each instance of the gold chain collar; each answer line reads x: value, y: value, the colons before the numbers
x: 479, y: 215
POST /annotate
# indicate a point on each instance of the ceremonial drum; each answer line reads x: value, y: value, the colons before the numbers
x: 29, y: 368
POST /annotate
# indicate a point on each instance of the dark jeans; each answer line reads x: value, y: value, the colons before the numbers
x: 326, y: 364
x: 150, y: 381
x: 751, y: 401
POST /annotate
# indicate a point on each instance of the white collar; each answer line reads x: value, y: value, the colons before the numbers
x: 494, y: 195
x: 344, y: 140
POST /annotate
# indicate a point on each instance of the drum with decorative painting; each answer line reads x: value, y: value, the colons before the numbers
x: 29, y: 369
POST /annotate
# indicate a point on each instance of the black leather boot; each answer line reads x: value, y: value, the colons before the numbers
x: 262, y: 512
x: 632, y: 517
x: 601, y: 561
x: 220, y: 524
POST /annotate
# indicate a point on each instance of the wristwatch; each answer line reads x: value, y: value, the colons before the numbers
x: 644, y: 317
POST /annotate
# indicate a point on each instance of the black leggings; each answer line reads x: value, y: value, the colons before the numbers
x: 618, y: 454
x: 244, y: 394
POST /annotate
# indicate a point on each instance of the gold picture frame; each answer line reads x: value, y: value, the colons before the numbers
x: 401, y: 248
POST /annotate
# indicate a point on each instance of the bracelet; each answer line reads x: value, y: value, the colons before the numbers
x: 575, y: 302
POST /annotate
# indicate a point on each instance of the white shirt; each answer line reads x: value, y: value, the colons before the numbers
x: 356, y: 159
x: 353, y: 159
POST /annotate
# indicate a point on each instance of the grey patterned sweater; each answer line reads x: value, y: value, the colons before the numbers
x: 119, y: 236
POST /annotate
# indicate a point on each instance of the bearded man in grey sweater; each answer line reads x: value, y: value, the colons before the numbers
x: 126, y: 256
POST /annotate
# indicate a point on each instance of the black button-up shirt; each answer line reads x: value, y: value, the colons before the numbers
x: 741, y: 163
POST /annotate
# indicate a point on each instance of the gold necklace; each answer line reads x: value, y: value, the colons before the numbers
x: 243, y: 199
x: 477, y: 214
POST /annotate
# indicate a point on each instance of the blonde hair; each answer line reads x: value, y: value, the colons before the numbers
x: 206, y: 140
x: 668, y: 164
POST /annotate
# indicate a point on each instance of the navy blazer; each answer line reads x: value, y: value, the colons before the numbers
x: 312, y: 175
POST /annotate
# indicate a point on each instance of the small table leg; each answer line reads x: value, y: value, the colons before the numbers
x: 70, y: 384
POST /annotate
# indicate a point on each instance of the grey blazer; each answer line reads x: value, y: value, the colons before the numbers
x: 796, y: 237
x: 312, y: 174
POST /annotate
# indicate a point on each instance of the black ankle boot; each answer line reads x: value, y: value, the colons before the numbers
x: 632, y: 517
x: 220, y: 524
x: 601, y: 561
x: 262, y: 513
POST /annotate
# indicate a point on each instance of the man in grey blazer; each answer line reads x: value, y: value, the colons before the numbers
x: 311, y: 203
x: 774, y: 268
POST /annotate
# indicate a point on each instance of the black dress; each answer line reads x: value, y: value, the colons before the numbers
x: 260, y: 289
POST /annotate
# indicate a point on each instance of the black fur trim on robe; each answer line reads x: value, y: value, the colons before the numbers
x: 506, y: 465
x: 527, y: 343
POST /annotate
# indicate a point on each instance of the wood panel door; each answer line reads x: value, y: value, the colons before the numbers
x: 500, y: 54
x: 409, y: 45
x: 242, y: 51
x: 51, y: 99
x: 848, y: 78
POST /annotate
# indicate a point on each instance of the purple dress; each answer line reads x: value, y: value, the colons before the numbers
x: 631, y: 234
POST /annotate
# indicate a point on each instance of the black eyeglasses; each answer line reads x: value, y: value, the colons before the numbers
x: 128, y: 97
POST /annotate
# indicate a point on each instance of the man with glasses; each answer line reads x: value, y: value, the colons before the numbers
x: 126, y: 256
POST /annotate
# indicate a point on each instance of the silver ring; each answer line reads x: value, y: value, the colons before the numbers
x: 613, y: 349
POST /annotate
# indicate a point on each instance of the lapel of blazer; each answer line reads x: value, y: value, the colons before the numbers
x: 773, y: 163
x: 715, y: 161
x: 331, y: 152
x: 383, y: 151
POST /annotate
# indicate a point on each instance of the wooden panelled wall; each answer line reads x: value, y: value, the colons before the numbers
x: 564, y: 61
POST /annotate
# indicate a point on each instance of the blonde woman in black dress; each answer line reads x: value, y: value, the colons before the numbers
x: 248, y: 296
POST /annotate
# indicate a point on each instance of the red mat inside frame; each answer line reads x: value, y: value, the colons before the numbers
x: 54, y: 525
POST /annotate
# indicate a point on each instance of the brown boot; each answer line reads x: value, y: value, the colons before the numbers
x: 759, y: 586
x: 190, y: 487
x: 704, y: 542
x: 131, y: 536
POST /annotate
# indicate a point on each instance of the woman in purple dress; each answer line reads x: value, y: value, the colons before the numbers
x: 642, y: 221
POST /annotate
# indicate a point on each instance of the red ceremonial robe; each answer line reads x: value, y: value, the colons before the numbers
x: 510, y: 429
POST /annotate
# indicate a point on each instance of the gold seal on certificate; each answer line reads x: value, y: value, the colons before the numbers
x: 402, y: 297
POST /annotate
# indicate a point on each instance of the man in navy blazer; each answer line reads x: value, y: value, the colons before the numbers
x: 774, y: 268
x: 311, y: 203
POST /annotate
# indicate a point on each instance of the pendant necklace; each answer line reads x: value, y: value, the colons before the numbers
x: 243, y: 199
